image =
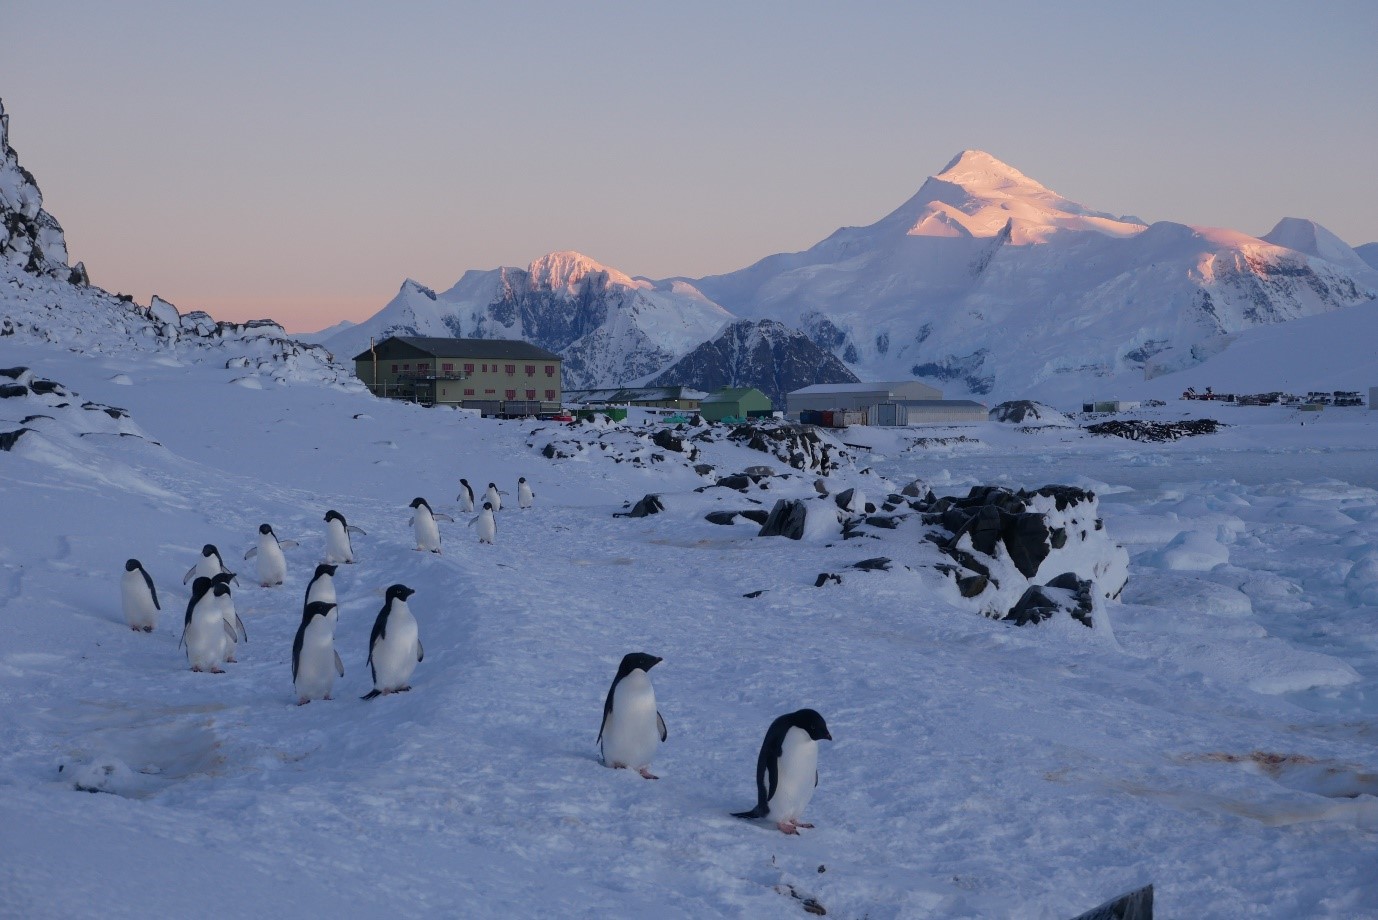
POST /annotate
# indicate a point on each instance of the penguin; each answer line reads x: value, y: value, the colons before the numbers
x: 314, y: 659
x: 141, y: 607
x: 493, y: 496
x: 632, y: 728
x: 394, y: 647
x: 337, y: 546
x: 524, y: 493
x: 465, y: 496
x: 423, y: 524
x: 272, y: 564
x: 209, y: 565
x: 233, y: 624
x: 204, y: 631
x: 487, y: 524
x: 322, y: 586
x: 787, y: 769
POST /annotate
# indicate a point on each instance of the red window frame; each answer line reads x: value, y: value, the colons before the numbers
x: 550, y: 370
x: 549, y: 395
x: 509, y: 394
x: 469, y: 391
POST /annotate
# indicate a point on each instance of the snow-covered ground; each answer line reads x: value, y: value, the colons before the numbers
x: 1214, y: 735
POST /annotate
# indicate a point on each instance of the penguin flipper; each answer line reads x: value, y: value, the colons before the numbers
x: 229, y: 631
x: 660, y: 723
x: 287, y: 544
x: 371, y: 694
x: 339, y: 665
x: 243, y: 633
x: 411, y: 522
x: 420, y: 651
x: 352, y: 529
x: 253, y: 551
x: 190, y: 572
x: 443, y: 517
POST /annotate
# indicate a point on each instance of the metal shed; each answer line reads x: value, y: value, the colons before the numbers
x: 821, y: 396
x: 734, y: 402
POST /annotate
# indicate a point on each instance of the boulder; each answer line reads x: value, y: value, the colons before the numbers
x: 787, y: 519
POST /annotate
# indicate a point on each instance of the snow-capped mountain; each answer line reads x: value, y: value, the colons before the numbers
x: 43, y: 299
x: 608, y: 327
x: 764, y: 354
x: 1369, y: 253
x: 986, y: 281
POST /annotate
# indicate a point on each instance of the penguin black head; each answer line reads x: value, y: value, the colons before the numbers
x: 220, y: 589
x: 264, y: 529
x: 324, y: 568
x: 209, y: 550
x: 334, y: 516
x: 521, y: 479
x: 224, y: 578
x: 419, y: 502
x: 316, y: 609
x: 399, y: 593
x: 487, y: 506
x: 633, y: 660
x: 463, y: 481
x: 492, y: 485
x: 200, y: 586
x: 810, y: 721
x: 132, y: 565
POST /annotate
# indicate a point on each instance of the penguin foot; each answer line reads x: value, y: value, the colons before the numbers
x: 647, y: 774
x: 303, y: 701
x: 789, y: 827
x: 148, y: 629
x: 231, y: 660
x: 405, y: 689
x: 796, y: 823
x: 217, y: 670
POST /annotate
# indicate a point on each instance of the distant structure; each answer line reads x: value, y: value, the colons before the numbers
x: 1115, y: 405
x: 895, y: 402
x: 681, y: 398
x: 735, y: 403
x: 502, y: 377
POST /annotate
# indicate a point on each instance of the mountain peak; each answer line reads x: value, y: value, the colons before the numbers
x: 564, y: 269
x: 977, y: 171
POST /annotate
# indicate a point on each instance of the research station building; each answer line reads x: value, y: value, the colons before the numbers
x: 496, y: 376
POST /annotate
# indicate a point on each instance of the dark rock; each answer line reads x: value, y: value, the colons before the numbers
x: 786, y: 519
x: 759, y: 515
x: 758, y: 473
x: 666, y: 438
x: 825, y: 577
x: 753, y: 594
x: 12, y: 372
x: 738, y: 481
x: 1133, y: 905
x: 1065, y: 592
x: 1026, y: 540
x: 9, y: 438
x: 972, y: 585
x: 720, y: 517
x: 1141, y: 430
x: 43, y: 387
x: 878, y: 564
x: 883, y: 522
x: 11, y: 390
x: 844, y: 499
x: 703, y: 469
x: 649, y: 504
x: 820, y: 487
x: 870, y: 508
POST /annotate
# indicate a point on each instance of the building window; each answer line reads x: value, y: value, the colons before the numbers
x: 531, y: 370
x: 550, y: 370
x: 509, y: 394
x: 489, y: 392
x: 447, y: 369
x: 406, y: 368
x: 469, y: 392
x: 468, y: 368
x: 394, y: 368
x: 511, y: 369
x: 423, y: 368
x: 550, y: 395
x: 485, y: 368
x: 530, y: 394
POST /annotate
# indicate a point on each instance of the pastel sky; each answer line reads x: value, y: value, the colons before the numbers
x: 299, y: 160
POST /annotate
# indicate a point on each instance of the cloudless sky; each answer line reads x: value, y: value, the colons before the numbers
x: 299, y: 160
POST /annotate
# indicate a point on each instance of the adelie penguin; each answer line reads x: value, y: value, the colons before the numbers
x: 394, y: 647
x: 787, y: 769
x: 632, y: 728
x: 204, y: 631
x: 338, y: 548
x: 486, y: 524
x: 423, y: 522
x: 141, y: 607
x: 272, y: 564
x: 465, y: 496
x: 233, y: 624
x: 493, y: 497
x: 524, y: 494
x: 314, y: 659
x: 208, y: 566
x: 322, y: 586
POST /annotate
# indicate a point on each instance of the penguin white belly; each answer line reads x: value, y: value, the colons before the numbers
x: 322, y: 589
x: 466, y: 501
x: 206, y: 638
x: 631, y: 735
x: 139, y: 611
x: 272, y: 564
x: 394, y: 655
x: 524, y: 496
x: 231, y: 619
x: 493, y: 498
x: 208, y: 567
x: 316, y: 663
x: 337, y: 545
x: 798, y: 774
x: 427, y: 531
x: 487, y: 528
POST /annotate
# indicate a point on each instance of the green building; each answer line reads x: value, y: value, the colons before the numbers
x: 734, y: 403
x: 496, y: 376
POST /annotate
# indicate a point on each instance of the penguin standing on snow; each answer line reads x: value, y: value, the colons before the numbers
x: 493, y: 496
x: 314, y: 659
x: 204, y: 631
x: 272, y: 564
x: 487, y: 524
x: 209, y: 565
x: 140, y: 598
x: 233, y: 624
x: 524, y: 494
x: 632, y: 728
x: 337, y: 546
x: 322, y: 586
x: 465, y: 496
x: 424, y: 526
x: 787, y: 769
x: 394, y: 647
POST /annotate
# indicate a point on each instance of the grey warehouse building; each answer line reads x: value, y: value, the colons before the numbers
x: 899, y: 402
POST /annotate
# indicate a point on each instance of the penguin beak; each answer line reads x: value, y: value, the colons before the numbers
x: 827, y: 735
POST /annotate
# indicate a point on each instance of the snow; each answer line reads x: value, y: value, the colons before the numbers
x: 1214, y: 737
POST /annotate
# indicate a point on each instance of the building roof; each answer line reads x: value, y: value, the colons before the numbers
x: 732, y: 394
x: 633, y: 394
x: 872, y: 386
x: 491, y: 349
x: 942, y: 404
